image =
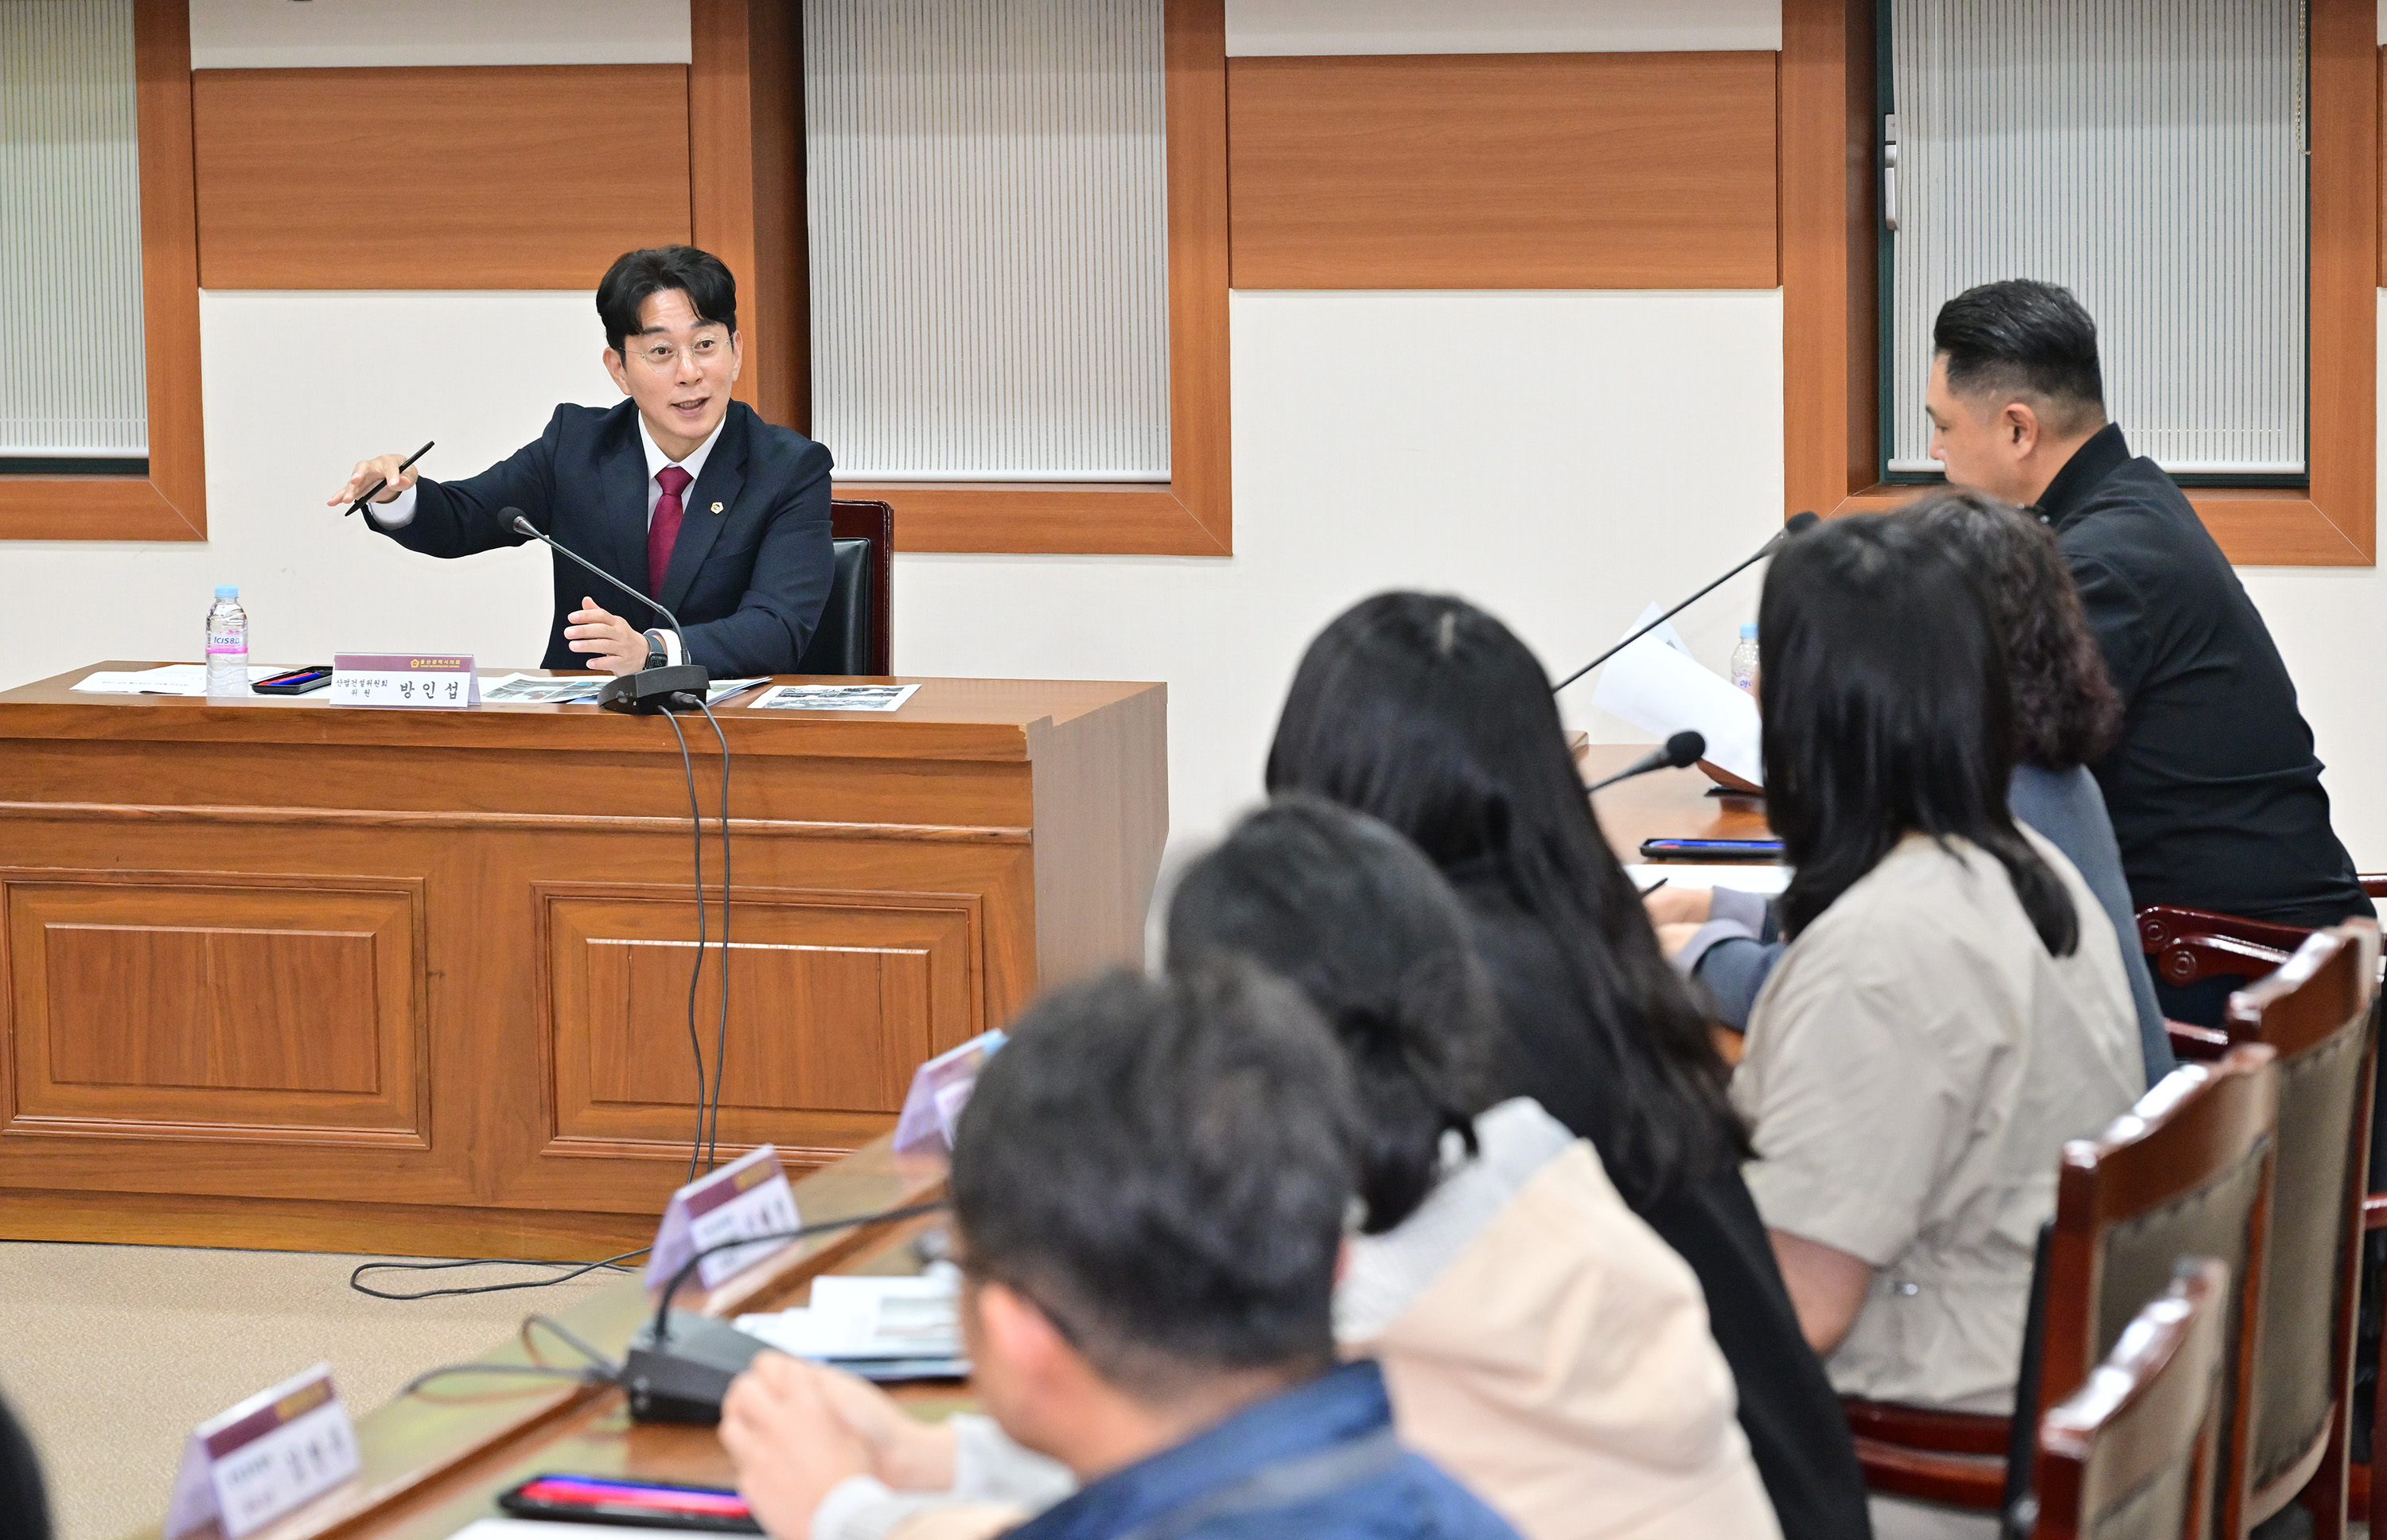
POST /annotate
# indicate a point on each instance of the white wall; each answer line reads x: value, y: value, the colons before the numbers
x: 1559, y: 457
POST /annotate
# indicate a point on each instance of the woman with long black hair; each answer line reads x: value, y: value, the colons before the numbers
x: 1952, y: 1006
x: 1427, y: 713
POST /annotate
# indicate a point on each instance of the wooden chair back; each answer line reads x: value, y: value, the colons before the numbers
x: 2316, y: 1014
x: 2187, y: 1172
x: 2130, y: 1455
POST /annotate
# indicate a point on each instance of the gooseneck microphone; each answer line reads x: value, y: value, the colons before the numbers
x: 1683, y: 749
x: 1798, y: 524
x: 679, y: 687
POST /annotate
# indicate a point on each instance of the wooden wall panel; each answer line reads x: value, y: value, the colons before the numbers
x: 492, y: 177
x: 746, y: 117
x: 1503, y: 171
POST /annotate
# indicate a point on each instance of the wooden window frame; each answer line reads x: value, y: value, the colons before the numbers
x: 171, y: 502
x: 1190, y: 514
x: 1830, y: 307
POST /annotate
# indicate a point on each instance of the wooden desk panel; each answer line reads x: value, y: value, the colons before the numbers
x: 325, y: 977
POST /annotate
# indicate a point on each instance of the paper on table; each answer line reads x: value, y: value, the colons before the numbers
x: 860, y: 1316
x: 1659, y: 689
x: 166, y: 679
x: 539, y: 690
x: 834, y: 697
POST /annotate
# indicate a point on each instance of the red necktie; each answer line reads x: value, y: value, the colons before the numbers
x: 664, y: 528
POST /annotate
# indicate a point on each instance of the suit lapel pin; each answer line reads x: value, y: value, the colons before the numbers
x: 717, y: 508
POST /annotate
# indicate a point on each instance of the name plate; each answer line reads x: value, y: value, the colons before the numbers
x: 404, y: 679
x: 940, y: 1088
x: 748, y: 1196
x: 281, y: 1448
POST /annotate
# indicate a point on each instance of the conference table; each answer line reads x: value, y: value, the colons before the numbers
x: 284, y: 974
x: 435, y: 1460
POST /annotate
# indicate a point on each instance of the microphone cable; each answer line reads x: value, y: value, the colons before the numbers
x: 720, y: 1038
x: 696, y: 973
x: 602, y: 1368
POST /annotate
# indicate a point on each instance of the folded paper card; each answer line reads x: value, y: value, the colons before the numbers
x: 940, y: 1088
x: 442, y: 680
x: 245, y: 1468
x: 748, y: 1197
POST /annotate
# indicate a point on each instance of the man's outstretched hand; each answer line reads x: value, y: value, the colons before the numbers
x: 613, y: 645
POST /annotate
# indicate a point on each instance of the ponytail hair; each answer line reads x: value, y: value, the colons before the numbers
x: 1350, y: 914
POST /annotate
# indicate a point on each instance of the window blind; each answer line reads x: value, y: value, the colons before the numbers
x: 2145, y: 153
x: 987, y: 203
x: 71, y: 230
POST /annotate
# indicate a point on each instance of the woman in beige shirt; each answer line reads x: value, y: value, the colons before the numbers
x: 1539, y: 1340
x: 1951, y: 1007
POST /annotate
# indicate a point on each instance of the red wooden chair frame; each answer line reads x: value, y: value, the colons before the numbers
x: 2151, y: 1404
x: 2199, y: 1124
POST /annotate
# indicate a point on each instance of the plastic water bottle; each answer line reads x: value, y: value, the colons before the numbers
x: 227, y: 644
x: 1744, y: 659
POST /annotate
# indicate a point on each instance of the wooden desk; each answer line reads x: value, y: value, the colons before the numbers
x: 275, y: 973
x: 435, y: 1460
x: 1669, y: 804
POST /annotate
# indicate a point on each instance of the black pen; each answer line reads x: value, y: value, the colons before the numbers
x: 1653, y: 887
x: 377, y: 487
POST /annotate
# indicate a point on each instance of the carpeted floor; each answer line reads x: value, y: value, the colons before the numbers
x: 110, y: 1355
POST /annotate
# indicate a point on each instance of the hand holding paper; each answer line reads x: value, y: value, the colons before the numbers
x: 1655, y: 685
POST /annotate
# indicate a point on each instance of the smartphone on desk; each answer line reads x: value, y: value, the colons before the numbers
x: 299, y: 681
x: 1711, y: 850
x: 650, y: 1505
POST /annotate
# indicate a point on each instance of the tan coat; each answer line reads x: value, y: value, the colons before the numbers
x: 1560, y: 1365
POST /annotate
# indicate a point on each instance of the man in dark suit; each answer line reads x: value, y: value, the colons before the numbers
x: 2213, y: 789
x: 679, y: 491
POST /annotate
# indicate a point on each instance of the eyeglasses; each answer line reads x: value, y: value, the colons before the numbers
x: 661, y: 356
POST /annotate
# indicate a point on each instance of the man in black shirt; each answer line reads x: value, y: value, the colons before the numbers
x: 2214, y: 790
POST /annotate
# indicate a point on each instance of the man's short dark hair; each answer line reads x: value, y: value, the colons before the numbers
x: 635, y: 275
x: 1163, y: 1168
x: 2021, y: 338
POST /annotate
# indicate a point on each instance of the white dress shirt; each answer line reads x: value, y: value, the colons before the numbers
x: 399, y: 512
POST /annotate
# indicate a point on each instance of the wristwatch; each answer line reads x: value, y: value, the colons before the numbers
x: 664, y: 649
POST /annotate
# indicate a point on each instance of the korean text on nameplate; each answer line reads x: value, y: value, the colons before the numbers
x: 279, y: 1449
x: 748, y: 1197
x: 439, y: 679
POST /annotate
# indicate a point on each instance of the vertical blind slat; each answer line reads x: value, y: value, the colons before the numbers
x: 71, y: 229
x: 2142, y: 153
x: 987, y: 198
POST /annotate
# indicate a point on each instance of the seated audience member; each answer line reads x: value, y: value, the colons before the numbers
x: 1951, y: 1007
x: 1427, y: 713
x: 2215, y: 793
x: 2066, y: 715
x: 1540, y: 1343
x: 24, y: 1507
x: 1149, y: 1187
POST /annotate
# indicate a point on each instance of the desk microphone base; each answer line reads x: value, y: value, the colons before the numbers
x: 685, y: 1381
x: 679, y: 687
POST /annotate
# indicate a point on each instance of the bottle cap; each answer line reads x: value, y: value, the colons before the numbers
x: 226, y: 590
x: 1749, y: 630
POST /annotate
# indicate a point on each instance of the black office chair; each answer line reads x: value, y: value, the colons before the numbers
x: 856, y: 635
